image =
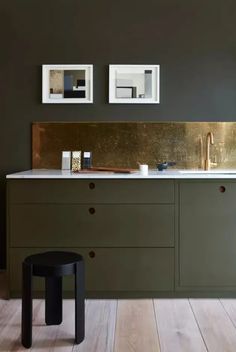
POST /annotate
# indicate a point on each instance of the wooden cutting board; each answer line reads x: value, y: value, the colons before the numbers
x: 109, y: 169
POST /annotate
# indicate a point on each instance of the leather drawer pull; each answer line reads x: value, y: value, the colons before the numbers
x: 92, y: 254
x: 92, y: 211
x: 222, y: 189
x: 92, y: 185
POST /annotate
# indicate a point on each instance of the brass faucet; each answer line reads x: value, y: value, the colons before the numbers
x: 202, y: 161
x: 209, y: 140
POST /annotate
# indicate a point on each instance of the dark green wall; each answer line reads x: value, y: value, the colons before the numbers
x: 194, y: 41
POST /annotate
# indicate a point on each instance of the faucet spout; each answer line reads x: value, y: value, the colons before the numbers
x: 209, y: 141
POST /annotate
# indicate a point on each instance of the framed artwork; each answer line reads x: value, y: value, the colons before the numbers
x: 134, y: 84
x: 67, y: 84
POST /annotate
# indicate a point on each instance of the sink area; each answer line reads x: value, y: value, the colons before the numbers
x: 213, y: 171
x: 194, y: 171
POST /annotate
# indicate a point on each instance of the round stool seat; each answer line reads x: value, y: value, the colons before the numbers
x: 53, y: 263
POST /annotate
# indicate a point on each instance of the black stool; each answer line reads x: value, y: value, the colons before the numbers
x: 52, y: 266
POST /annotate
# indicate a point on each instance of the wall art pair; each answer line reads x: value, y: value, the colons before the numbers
x: 73, y: 84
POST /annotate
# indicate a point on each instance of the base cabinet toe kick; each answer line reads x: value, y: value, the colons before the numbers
x: 139, y: 238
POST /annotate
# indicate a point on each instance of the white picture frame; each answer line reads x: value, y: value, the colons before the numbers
x: 67, y: 84
x: 134, y: 84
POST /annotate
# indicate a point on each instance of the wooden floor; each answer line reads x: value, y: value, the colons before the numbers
x: 167, y: 325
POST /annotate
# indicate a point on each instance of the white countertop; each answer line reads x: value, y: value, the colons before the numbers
x: 153, y: 174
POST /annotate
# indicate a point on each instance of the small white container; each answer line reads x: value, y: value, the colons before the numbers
x: 143, y: 168
x: 66, y: 161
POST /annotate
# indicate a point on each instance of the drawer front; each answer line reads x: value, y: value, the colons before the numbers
x: 91, y: 191
x: 207, y: 241
x: 97, y: 225
x: 111, y: 269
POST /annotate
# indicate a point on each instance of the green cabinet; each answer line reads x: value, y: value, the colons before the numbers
x: 125, y: 229
x: 207, y: 235
x: 139, y: 238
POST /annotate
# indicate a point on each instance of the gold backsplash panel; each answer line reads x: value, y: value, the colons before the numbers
x: 125, y: 144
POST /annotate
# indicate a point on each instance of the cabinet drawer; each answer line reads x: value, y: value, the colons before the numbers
x: 111, y: 269
x: 91, y: 191
x: 97, y: 225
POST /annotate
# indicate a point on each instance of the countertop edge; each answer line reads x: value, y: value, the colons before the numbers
x: 59, y: 174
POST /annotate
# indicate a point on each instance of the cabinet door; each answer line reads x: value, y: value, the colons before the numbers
x: 207, y: 238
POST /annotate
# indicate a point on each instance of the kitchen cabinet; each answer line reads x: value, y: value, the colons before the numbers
x: 140, y: 237
x: 125, y: 229
x: 207, y: 235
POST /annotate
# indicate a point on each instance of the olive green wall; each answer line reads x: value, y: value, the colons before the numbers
x: 192, y: 40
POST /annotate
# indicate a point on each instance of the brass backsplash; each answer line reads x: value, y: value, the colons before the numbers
x: 125, y: 144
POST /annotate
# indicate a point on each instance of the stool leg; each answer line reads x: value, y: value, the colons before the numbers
x: 26, y: 317
x: 53, y: 300
x: 79, y: 301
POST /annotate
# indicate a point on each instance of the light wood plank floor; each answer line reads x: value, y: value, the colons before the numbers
x: 166, y: 325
